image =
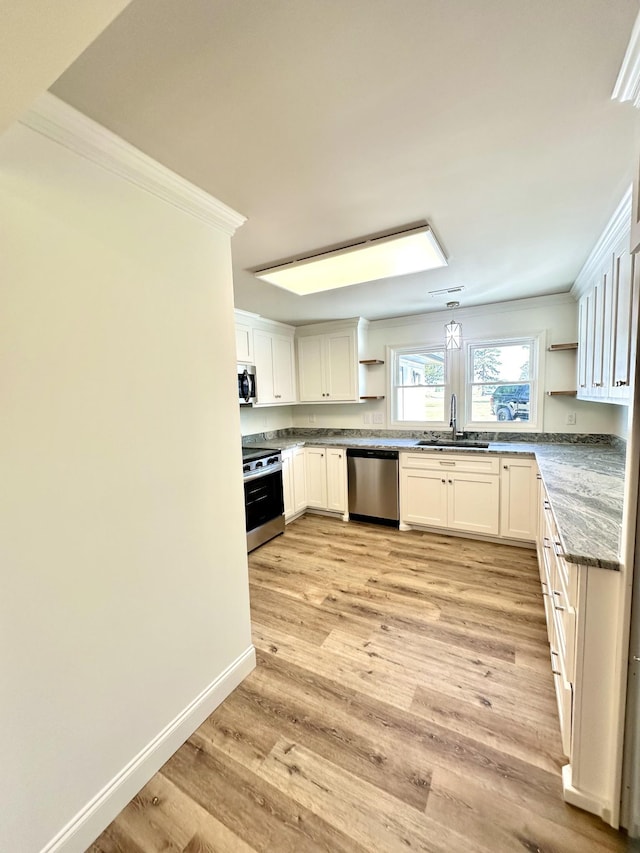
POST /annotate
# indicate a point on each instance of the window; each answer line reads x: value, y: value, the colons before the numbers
x: 419, y: 385
x: 501, y: 383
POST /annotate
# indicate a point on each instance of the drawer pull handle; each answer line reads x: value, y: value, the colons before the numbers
x: 557, y: 547
x: 547, y: 505
x: 444, y: 462
x: 553, y: 670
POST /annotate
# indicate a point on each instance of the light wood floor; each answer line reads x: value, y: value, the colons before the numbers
x: 403, y: 701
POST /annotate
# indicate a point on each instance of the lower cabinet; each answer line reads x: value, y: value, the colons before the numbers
x: 518, y: 498
x: 314, y: 478
x: 450, y: 491
x: 582, y: 608
x: 294, y: 482
x: 326, y: 475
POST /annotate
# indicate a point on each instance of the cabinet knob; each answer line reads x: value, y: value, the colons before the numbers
x: 451, y: 481
x: 506, y: 467
x: 444, y: 481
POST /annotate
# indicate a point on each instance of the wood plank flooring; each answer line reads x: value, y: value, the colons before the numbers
x: 403, y: 701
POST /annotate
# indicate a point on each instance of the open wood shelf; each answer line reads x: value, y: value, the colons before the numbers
x: 374, y: 360
x: 556, y: 347
x: 561, y: 393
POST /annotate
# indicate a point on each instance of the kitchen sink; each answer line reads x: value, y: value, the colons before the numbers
x: 462, y: 443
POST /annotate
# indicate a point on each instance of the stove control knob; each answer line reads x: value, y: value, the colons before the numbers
x: 246, y: 469
x: 259, y: 464
x: 273, y: 460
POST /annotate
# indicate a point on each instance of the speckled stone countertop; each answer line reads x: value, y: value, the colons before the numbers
x: 584, y: 482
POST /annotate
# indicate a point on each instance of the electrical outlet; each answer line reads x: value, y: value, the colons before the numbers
x: 312, y: 419
x: 378, y: 418
x: 571, y: 418
x: 366, y: 418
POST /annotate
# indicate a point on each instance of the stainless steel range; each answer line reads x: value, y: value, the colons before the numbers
x: 263, y: 500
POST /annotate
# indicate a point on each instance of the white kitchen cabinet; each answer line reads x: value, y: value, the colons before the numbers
x: 299, y: 480
x: 326, y: 478
x: 287, y: 484
x: 451, y: 491
x: 328, y: 362
x: 336, y: 479
x: 294, y: 483
x: 605, y: 288
x: 473, y: 502
x: 582, y: 609
x: 624, y: 286
x: 518, y: 498
x: 423, y: 497
x: 316, y: 473
x: 244, y: 343
x: 244, y: 336
x: 275, y: 368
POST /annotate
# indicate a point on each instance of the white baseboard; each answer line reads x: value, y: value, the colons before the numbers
x: 582, y: 800
x: 87, y: 825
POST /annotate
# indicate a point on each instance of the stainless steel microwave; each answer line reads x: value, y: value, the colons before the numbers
x: 246, y: 384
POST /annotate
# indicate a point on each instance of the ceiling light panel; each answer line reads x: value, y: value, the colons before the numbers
x: 385, y: 257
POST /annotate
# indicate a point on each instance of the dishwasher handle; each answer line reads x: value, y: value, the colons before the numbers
x: 358, y: 453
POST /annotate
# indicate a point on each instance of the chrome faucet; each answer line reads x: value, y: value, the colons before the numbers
x: 453, y: 418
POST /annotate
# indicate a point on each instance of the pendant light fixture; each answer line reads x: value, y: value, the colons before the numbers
x: 452, y: 330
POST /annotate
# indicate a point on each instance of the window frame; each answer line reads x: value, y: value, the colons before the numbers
x: 393, y: 355
x: 535, y: 382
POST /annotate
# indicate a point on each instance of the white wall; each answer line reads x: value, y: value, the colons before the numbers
x: 123, y: 565
x: 264, y: 419
x: 556, y: 315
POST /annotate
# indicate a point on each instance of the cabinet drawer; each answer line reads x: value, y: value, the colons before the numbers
x: 451, y: 462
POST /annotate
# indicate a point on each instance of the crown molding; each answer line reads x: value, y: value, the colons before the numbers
x: 617, y: 227
x: 65, y: 125
x: 627, y: 86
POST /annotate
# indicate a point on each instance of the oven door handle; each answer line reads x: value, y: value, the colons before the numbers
x: 264, y: 472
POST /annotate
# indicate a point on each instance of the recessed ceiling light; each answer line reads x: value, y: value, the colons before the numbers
x: 401, y: 253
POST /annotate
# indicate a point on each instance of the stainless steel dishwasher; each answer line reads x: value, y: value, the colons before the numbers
x: 373, y: 486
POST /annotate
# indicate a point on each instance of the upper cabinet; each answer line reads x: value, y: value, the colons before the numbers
x: 270, y: 347
x: 275, y: 367
x: 328, y: 361
x: 244, y: 337
x: 605, y: 288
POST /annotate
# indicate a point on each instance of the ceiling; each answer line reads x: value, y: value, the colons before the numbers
x: 324, y: 121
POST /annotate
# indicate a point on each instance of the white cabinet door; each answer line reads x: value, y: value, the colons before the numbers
x: 336, y: 479
x: 284, y: 385
x: 340, y: 356
x: 473, y: 503
x: 275, y: 382
x: 310, y: 350
x: 423, y: 497
x: 624, y: 281
x: 316, y: 464
x: 584, y: 345
x: 287, y: 483
x: 265, y: 391
x: 519, y: 499
x: 244, y: 343
x: 299, y: 477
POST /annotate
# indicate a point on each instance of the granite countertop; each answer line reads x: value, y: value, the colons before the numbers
x: 584, y: 482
